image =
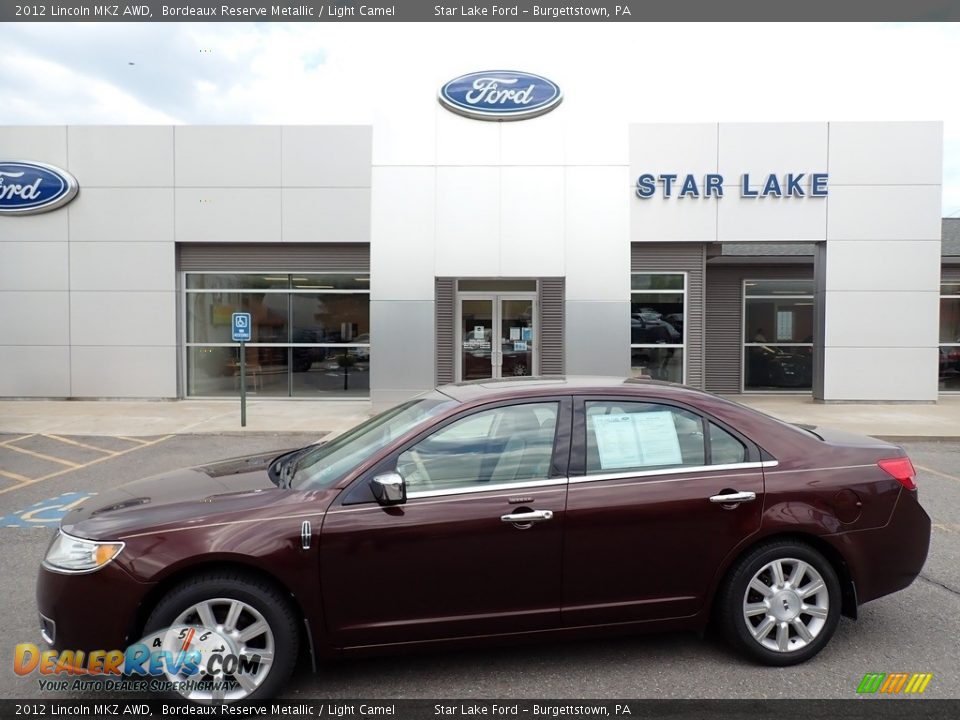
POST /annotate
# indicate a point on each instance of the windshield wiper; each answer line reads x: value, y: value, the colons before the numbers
x: 283, y: 468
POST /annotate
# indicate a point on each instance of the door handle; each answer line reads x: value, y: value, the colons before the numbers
x: 733, y: 498
x: 528, y: 517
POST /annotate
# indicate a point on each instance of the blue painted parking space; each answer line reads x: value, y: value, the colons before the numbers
x: 46, y: 513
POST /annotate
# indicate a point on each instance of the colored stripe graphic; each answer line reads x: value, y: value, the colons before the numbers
x: 871, y: 682
x: 894, y: 683
x: 919, y: 681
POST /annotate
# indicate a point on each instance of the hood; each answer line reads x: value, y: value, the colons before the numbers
x: 178, y: 497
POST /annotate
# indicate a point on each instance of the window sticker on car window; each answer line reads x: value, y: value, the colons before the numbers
x: 637, y: 440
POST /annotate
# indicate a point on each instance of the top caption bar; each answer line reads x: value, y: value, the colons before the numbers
x: 521, y: 11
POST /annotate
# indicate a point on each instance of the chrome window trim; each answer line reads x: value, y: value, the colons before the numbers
x: 484, y: 488
x: 371, y: 506
x: 674, y: 471
x: 591, y: 478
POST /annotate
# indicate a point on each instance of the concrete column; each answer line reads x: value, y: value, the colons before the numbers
x: 878, y: 274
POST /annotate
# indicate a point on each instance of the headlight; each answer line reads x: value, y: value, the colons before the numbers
x: 74, y: 555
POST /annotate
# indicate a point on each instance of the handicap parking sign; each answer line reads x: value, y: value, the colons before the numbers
x: 241, y: 327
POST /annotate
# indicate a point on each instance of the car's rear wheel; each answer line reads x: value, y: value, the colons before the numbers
x: 251, y: 621
x: 780, y: 604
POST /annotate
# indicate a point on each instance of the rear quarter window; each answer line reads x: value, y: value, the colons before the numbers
x: 725, y: 449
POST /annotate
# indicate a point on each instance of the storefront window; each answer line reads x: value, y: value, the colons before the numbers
x: 657, y: 305
x: 311, y: 334
x: 778, y: 335
x: 950, y: 337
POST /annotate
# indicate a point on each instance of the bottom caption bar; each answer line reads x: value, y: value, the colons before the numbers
x: 864, y: 709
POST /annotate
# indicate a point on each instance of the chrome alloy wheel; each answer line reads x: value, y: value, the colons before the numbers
x: 245, y: 633
x: 786, y: 605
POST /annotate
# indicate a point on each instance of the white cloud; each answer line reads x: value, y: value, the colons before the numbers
x: 356, y: 72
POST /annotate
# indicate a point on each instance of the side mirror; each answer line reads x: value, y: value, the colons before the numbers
x: 389, y: 489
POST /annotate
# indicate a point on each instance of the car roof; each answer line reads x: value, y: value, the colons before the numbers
x: 490, y: 389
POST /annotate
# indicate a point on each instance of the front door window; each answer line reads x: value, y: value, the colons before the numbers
x: 505, y: 445
x: 497, y: 336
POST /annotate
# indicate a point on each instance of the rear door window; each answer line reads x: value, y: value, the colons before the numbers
x: 637, y: 436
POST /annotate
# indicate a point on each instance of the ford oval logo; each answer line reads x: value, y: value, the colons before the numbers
x: 500, y: 95
x: 32, y: 187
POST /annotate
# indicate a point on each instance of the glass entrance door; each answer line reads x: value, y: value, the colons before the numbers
x: 476, y: 338
x: 497, y: 336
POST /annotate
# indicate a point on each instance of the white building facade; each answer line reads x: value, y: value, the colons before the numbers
x: 379, y: 260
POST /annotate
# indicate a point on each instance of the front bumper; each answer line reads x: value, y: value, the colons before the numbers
x: 89, y: 611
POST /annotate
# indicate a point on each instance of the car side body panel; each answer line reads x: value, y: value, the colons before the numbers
x: 624, y: 555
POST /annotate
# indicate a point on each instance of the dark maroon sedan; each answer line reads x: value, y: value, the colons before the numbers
x: 478, y: 512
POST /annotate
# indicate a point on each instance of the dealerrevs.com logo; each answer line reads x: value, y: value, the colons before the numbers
x: 198, y: 663
x: 894, y: 683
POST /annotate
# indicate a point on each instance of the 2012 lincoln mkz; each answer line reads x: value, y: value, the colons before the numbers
x: 496, y: 511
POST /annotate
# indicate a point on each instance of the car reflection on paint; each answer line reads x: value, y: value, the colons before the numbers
x: 496, y: 512
x: 950, y: 366
x: 647, y: 330
x: 779, y: 367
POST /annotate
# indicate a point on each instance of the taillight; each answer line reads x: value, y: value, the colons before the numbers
x: 901, y: 470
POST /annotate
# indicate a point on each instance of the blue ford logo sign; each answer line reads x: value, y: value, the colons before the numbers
x: 32, y: 187
x: 500, y: 95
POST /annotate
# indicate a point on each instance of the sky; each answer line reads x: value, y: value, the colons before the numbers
x: 237, y: 73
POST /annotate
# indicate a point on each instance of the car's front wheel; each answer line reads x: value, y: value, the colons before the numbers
x: 245, y: 636
x: 780, y: 604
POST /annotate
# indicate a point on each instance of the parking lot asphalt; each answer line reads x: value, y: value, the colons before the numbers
x: 915, y: 630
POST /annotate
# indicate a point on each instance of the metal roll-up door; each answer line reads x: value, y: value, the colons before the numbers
x: 274, y: 257
x: 445, y: 292
x: 722, y: 332
x: 552, y: 326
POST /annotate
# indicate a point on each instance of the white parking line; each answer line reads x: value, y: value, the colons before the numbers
x: 14, y: 476
x: 58, y: 473
x: 78, y: 444
x: 937, y: 472
x: 49, y: 458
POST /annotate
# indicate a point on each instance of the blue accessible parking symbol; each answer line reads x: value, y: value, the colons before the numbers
x: 46, y: 513
x: 241, y: 327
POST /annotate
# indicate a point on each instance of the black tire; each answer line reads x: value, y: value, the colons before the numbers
x: 733, y: 594
x: 275, y: 607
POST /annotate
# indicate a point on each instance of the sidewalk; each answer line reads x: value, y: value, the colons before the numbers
x: 166, y: 417
x: 892, y: 420
x: 145, y: 418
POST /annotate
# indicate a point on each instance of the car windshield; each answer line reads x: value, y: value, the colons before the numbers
x: 329, y: 462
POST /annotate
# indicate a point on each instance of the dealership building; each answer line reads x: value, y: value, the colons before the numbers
x: 382, y: 259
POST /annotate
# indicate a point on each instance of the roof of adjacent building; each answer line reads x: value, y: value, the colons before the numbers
x: 950, y: 247
x: 951, y: 237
